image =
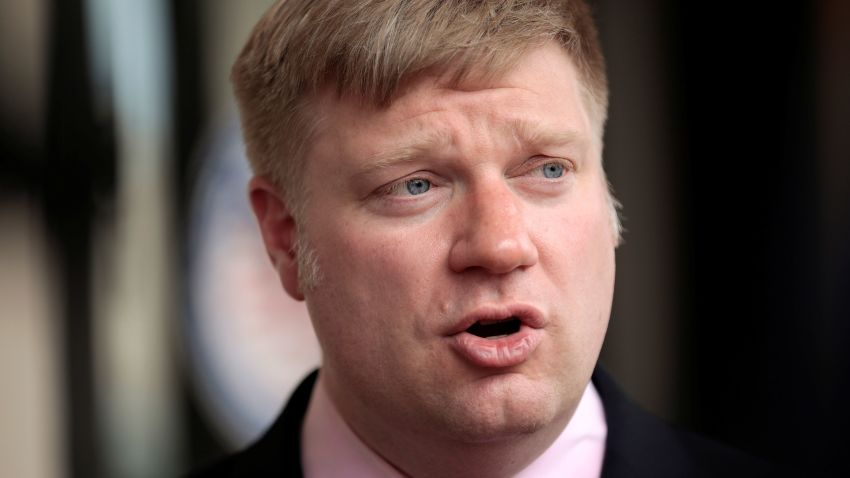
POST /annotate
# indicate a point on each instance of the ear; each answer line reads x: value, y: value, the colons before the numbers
x: 278, y: 228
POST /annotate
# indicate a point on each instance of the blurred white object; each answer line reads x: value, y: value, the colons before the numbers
x: 249, y: 343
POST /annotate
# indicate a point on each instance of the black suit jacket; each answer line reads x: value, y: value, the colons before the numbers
x: 638, y: 444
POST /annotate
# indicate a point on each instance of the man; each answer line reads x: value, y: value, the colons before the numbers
x: 429, y: 180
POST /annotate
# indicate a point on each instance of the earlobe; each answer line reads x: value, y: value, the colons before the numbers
x: 278, y: 229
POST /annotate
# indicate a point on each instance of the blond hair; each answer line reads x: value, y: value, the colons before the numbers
x: 368, y: 48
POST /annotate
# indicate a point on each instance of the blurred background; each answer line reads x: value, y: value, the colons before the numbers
x: 142, y: 334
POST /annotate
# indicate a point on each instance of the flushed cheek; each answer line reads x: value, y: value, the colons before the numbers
x: 578, y: 259
x: 574, y: 245
x: 387, y: 275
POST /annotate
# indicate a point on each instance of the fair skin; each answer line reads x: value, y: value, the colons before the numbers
x: 451, y: 206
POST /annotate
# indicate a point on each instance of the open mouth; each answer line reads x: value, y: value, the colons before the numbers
x: 498, y: 337
x: 495, y: 329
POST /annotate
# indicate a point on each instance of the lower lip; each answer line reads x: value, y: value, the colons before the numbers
x: 503, y: 352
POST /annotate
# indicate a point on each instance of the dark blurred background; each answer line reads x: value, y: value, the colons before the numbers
x: 728, y: 144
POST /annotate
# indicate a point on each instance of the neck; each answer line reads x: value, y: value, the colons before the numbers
x: 415, y: 451
x: 415, y: 456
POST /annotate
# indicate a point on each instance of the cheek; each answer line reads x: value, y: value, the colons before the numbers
x: 374, y: 271
x: 577, y: 241
x: 592, y: 262
x: 397, y: 255
x: 374, y: 302
x: 578, y: 256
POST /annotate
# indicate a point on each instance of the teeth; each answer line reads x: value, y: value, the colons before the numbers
x: 496, y: 337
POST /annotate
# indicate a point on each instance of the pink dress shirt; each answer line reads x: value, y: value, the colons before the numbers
x: 331, y: 450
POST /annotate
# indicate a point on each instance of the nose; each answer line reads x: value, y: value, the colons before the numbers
x: 494, y: 236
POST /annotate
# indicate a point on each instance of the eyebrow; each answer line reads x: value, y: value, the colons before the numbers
x: 414, y: 147
x: 422, y: 143
x: 539, y: 136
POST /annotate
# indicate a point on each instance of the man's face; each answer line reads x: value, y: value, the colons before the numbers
x: 449, y: 210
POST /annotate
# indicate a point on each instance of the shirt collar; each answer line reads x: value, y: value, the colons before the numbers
x: 331, y: 449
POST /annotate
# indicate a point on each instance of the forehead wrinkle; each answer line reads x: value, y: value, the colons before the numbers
x: 534, y: 132
x: 423, y: 142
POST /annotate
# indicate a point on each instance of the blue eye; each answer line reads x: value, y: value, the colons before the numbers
x: 553, y: 170
x: 417, y: 186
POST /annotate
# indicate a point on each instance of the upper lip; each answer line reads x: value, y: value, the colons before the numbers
x: 527, y: 314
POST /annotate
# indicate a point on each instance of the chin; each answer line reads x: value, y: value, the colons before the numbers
x: 496, y: 415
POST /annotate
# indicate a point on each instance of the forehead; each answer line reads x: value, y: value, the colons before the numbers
x: 541, y: 96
